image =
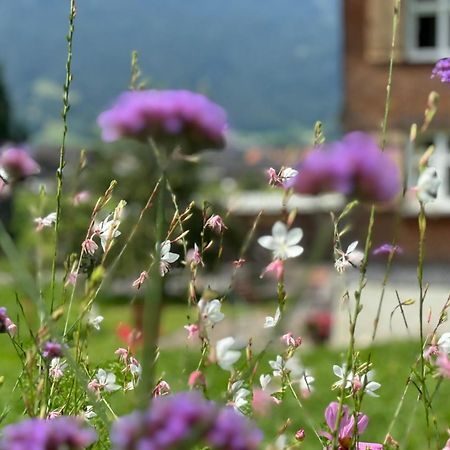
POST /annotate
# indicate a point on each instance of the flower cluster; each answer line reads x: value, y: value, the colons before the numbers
x: 61, y: 433
x: 354, y: 166
x: 6, y: 324
x: 169, y: 117
x: 441, y: 70
x: 176, y: 421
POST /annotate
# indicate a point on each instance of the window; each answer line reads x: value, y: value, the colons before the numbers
x: 427, y: 30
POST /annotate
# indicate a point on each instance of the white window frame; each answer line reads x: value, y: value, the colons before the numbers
x: 414, y: 8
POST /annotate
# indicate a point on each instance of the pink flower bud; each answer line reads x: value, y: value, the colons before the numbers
x: 300, y: 435
x: 196, y: 379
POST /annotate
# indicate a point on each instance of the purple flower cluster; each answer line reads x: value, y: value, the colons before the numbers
x: 52, y: 350
x: 387, y: 249
x: 442, y: 70
x: 354, y: 166
x: 6, y: 324
x: 62, y: 433
x: 176, y: 421
x: 171, y: 118
x: 17, y: 163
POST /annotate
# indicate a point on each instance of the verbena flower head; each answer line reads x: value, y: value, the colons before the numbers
x: 183, y: 420
x: 354, y: 166
x: 171, y: 118
x: 17, y: 163
x: 347, y: 428
x: 442, y: 70
x: 60, y: 433
x: 52, y: 350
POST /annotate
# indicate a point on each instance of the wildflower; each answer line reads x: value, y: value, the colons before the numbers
x: 166, y: 258
x: 81, y: 197
x: 135, y: 370
x: 105, y: 381
x: 443, y: 365
x: 17, y: 164
x: 89, y: 246
x: 278, y: 178
x: 52, y: 350
x: 196, y: 379
x: 240, y: 397
x: 89, y: 413
x: 226, y: 354
x: 277, y: 366
x: 169, y: 117
x: 428, y: 185
x: 192, y: 330
x: 444, y: 343
x: 210, y: 312
x: 276, y: 267
x: 369, y: 385
x: 39, y: 434
x: 122, y: 353
x: 300, y: 435
x: 107, y: 230
x: 290, y: 341
x: 140, y: 280
x: 340, y: 372
x: 94, y: 319
x: 271, y: 322
x: 57, y: 368
x: 264, y: 381
x: 47, y: 221
x: 441, y: 70
x: 215, y: 222
x: 351, y: 258
x: 54, y: 414
x: 194, y: 256
x: 6, y: 324
x: 283, y: 243
x: 71, y: 278
x: 432, y: 350
x: 161, y: 389
x: 354, y: 166
x: 387, y: 249
x: 346, y: 428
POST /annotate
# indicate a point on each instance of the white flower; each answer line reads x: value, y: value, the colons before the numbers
x: 340, y: 372
x: 226, y: 354
x: 107, y: 230
x: 210, y: 311
x: 107, y: 381
x: 57, y: 367
x: 283, y: 242
x: 428, y: 185
x: 47, y: 221
x: 287, y: 173
x: 444, y: 343
x: 89, y: 413
x: 351, y: 258
x: 264, y: 381
x: 166, y: 258
x: 271, y: 322
x: 94, y: 319
x: 277, y: 366
x: 369, y: 385
x: 240, y: 398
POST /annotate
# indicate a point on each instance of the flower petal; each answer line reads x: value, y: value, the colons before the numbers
x: 294, y: 236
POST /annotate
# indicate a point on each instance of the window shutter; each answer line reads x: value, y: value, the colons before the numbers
x: 378, y: 31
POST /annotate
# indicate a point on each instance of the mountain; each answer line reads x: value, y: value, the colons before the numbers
x: 273, y: 64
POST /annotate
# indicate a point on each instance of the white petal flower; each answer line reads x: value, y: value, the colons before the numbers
x: 47, y: 221
x: 57, y: 368
x: 240, y: 398
x: 210, y: 311
x: 271, y: 322
x: 444, y: 343
x: 283, y: 242
x: 107, y: 381
x: 351, y: 258
x: 89, y: 412
x: 226, y: 354
x: 94, y: 319
x: 277, y: 366
x: 107, y: 230
x: 264, y: 381
x: 340, y: 372
x: 370, y: 386
x: 166, y: 257
x: 428, y: 185
x: 287, y: 173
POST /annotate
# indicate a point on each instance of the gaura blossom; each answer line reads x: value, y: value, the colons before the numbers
x: 57, y: 368
x: 89, y: 246
x: 166, y: 258
x: 264, y: 381
x: 194, y: 257
x: 283, y: 242
x: 215, y: 222
x: 65, y: 432
x: 340, y: 373
x: 196, y: 379
x: 278, y: 178
x: 107, y: 230
x: 351, y: 258
x: 354, y: 166
x: 346, y: 428
x: 300, y: 435
x: 171, y: 118
x: 140, y: 280
x: 240, y: 395
x: 16, y: 164
x: 226, y: 353
x: 444, y: 343
x: 428, y: 185
x: 290, y: 340
x: 95, y: 320
x: 441, y: 70
x: 278, y: 366
x: 387, y: 249
x: 271, y: 322
x: 209, y: 312
x: 161, y: 389
x: 105, y: 381
x: 47, y: 221
x: 276, y: 267
x: 192, y: 330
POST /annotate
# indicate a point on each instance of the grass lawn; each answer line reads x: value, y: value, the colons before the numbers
x: 391, y: 362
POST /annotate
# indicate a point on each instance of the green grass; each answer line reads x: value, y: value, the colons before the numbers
x: 391, y: 362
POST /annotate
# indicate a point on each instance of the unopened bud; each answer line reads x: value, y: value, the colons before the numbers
x: 300, y: 435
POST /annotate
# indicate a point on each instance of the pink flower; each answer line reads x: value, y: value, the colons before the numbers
x: 274, y: 179
x: 122, y: 353
x: 215, y: 222
x: 346, y: 428
x: 89, y: 246
x: 290, y: 341
x: 192, y: 330
x: 17, y: 163
x: 432, y: 350
x: 140, y: 280
x: 276, y: 267
x: 71, y: 279
x: 300, y: 435
x: 194, y: 256
x: 196, y: 379
x: 443, y: 364
x: 162, y: 388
